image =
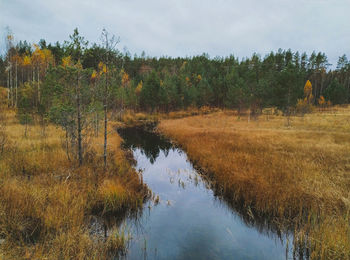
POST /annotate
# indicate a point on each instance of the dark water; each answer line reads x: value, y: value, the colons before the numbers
x: 189, y: 221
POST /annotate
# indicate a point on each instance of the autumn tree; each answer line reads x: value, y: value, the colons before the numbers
x: 109, y: 44
x: 308, y: 97
x: 322, y: 102
x: 306, y: 105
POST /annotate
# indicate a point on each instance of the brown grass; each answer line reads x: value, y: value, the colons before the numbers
x: 46, y: 200
x: 298, y: 174
x: 131, y: 118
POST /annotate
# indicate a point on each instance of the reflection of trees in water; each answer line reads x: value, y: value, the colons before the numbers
x: 148, y: 142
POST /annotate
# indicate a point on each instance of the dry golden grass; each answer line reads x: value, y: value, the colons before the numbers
x: 131, y: 118
x: 297, y: 174
x: 46, y: 200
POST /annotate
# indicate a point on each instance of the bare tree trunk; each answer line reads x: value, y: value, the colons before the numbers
x: 106, y: 120
x: 67, y: 145
x: 38, y: 79
x: 11, y: 87
x: 249, y: 113
x: 288, y: 108
x: 322, y: 83
x: 8, y: 88
x: 16, y: 85
x: 80, y: 154
x: 26, y: 127
x: 110, y: 44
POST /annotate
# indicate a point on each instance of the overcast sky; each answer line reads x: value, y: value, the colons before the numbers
x: 188, y: 27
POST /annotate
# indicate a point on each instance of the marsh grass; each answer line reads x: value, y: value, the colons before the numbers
x: 297, y: 175
x: 131, y: 118
x: 46, y: 200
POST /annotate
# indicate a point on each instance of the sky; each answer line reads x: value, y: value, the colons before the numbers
x: 188, y: 27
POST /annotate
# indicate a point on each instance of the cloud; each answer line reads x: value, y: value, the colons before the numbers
x: 186, y: 28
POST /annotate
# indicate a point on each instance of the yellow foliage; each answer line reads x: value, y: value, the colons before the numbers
x: 26, y: 60
x: 38, y: 55
x: 67, y: 61
x: 94, y: 74
x: 100, y: 66
x: 48, y: 56
x: 307, y: 88
x: 44, y: 56
x: 308, y: 91
x: 139, y: 88
x: 125, y: 78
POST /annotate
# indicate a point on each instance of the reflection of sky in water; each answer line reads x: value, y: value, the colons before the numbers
x: 189, y: 223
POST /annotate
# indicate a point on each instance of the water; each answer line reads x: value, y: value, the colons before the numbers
x: 189, y: 222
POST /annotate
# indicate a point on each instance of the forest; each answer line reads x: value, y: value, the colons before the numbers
x: 39, y: 75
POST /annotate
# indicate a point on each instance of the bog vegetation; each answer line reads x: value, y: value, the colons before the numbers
x: 295, y: 175
x: 283, y: 152
x: 47, y: 201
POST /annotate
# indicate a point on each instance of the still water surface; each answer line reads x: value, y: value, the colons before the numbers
x: 189, y: 222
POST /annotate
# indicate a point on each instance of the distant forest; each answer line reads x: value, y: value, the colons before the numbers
x: 47, y: 79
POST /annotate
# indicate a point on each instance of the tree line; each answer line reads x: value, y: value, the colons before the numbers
x: 165, y: 84
x: 75, y: 84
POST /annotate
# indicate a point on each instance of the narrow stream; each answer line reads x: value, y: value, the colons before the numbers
x: 189, y: 221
